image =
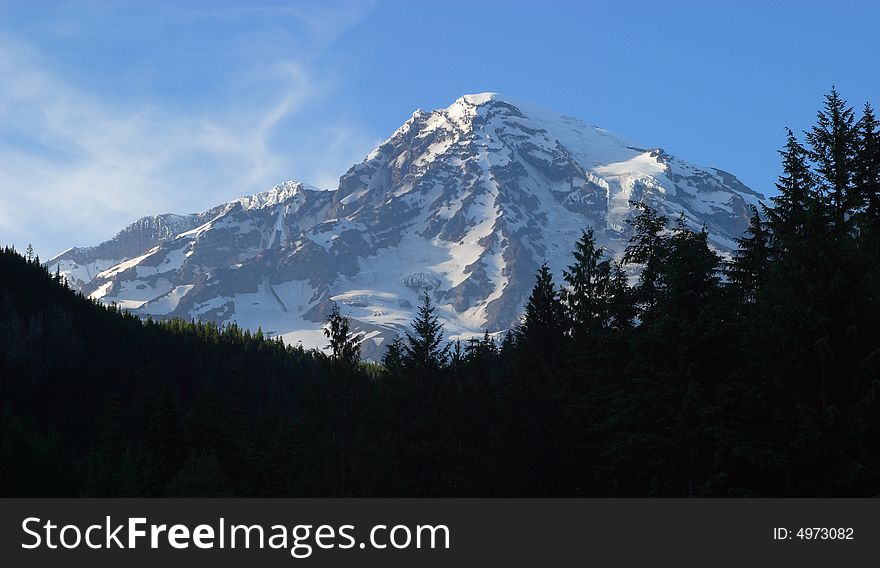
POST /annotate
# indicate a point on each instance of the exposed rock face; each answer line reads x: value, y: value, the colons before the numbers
x: 464, y: 203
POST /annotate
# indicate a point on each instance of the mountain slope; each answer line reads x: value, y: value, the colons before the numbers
x: 464, y: 202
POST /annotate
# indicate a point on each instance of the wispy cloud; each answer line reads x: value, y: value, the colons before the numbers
x: 77, y: 164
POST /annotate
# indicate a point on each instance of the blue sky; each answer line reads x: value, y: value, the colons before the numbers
x: 111, y: 111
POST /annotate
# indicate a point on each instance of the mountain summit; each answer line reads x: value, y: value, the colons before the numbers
x: 464, y: 203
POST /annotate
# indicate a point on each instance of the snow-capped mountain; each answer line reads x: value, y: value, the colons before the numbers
x: 465, y: 202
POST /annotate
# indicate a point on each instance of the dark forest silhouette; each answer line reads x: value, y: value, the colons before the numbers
x: 756, y: 375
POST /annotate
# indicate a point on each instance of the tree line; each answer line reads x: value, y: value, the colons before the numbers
x: 672, y: 371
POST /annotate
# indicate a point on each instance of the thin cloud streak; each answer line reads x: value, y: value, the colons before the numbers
x: 76, y: 166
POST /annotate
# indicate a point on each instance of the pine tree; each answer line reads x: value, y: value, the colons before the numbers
x: 488, y: 343
x: 833, y: 142
x: 867, y: 170
x: 29, y: 253
x: 543, y: 327
x: 589, y: 283
x: 456, y: 355
x: 621, y: 308
x: 797, y: 198
x: 688, y: 273
x: 747, y: 271
x: 480, y: 349
x: 508, y: 345
x: 345, y: 348
x: 393, y: 358
x: 424, y: 350
x: 647, y: 248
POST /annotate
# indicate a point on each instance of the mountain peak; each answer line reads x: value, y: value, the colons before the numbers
x: 275, y: 196
x: 464, y: 202
x: 478, y: 99
x: 482, y: 103
x: 530, y: 109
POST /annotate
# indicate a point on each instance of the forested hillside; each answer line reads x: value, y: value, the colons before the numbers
x: 672, y: 372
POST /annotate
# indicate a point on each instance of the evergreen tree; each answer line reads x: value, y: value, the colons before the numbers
x: 748, y: 269
x: 797, y: 198
x: 589, y: 283
x: 622, y: 310
x: 424, y: 350
x: 688, y: 273
x: 867, y: 170
x: 508, y: 345
x: 544, y: 324
x: 456, y: 356
x: 534, y: 392
x: 488, y: 345
x: 344, y: 346
x: 833, y: 142
x: 393, y: 358
x: 646, y: 247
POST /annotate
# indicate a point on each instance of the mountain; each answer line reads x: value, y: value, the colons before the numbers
x: 464, y: 202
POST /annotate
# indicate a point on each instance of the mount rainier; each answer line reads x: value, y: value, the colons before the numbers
x: 464, y: 202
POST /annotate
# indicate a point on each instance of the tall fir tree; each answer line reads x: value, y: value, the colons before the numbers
x: 833, y: 142
x: 589, y: 282
x: 622, y: 310
x: 425, y: 350
x: 647, y: 248
x: 344, y: 346
x: 689, y: 272
x: 544, y: 324
x: 867, y: 171
x: 748, y: 269
x: 797, y: 198
x: 392, y: 360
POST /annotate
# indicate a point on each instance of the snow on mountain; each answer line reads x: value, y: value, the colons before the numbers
x: 464, y: 202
